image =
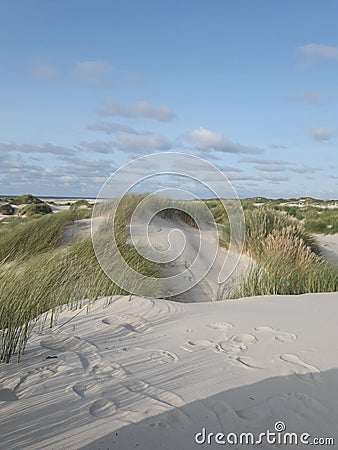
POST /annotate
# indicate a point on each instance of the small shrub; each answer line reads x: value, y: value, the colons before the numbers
x: 80, y: 204
x: 35, y: 208
x: 26, y: 199
x: 7, y: 210
x: 287, y: 260
x: 260, y: 223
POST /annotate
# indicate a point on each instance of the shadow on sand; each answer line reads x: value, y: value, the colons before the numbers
x: 306, y: 403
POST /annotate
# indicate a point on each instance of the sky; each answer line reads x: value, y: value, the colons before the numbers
x: 250, y: 86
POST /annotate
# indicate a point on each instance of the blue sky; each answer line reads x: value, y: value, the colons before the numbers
x: 250, y: 86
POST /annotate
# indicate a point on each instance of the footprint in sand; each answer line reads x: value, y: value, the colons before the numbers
x: 159, y: 395
x: 231, y: 347
x: 60, y: 343
x: 126, y: 323
x: 245, y: 338
x: 234, y: 345
x: 108, y: 371
x: 300, y: 368
x: 221, y: 325
x: 102, y: 408
x: 163, y: 356
x: 223, y: 411
x: 237, y: 344
x: 280, y: 336
x: 80, y: 388
x: 175, y: 418
x: 246, y: 362
x: 34, y: 381
x: 202, y: 344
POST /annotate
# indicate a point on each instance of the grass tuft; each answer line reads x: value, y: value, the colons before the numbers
x: 288, y: 260
x: 38, y: 277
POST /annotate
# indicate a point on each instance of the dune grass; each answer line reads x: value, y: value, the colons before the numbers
x: 287, y: 258
x: 7, y: 209
x: 26, y: 199
x: 39, y: 277
x: 35, y: 209
x: 261, y: 223
x: 28, y: 237
x: 80, y: 204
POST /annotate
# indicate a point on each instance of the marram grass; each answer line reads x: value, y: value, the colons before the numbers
x: 53, y: 276
x: 287, y: 259
x: 38, y: 276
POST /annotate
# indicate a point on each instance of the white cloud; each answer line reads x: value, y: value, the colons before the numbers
x: 95, y: 73
x: 45, y: 71
x: 136, y: 110
x: 278, y: 146
x: 267, y: 176
x: 251, y: 160
x: 136, y: 79
x: 311, y: 98
x: 318, y: 134
x: 282, y: 168
x: 272, y: 165
x: 76, y: 176
x: 226, y: 169
x: 235, y: 176
x: 35, y: 148
x: 317, y: 52
x: 141, y: 142
x: 305, y: 169
x: 127, y: 142
x: 111, y: 127
x: 105, y: 147
x: 270, y: 168
x: 208, y: 140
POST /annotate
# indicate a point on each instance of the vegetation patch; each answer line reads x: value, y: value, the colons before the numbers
x: 35, y: 209
x: 25, y: 238
x: 80, y: 204
x: 7, y: 209
x: 287, y: 257
x: 38, y: 278
x: 26, y: 199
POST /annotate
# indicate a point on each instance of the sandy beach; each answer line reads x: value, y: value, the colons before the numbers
x: 150, y: 374
x: 168, y: 225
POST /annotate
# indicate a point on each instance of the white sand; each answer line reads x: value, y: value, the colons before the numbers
x: 76, y: 230
x: 328, y: 246
x: 195, y: 249
x: 149, y: 374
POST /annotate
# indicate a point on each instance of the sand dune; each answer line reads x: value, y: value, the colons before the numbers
x: 154, y: 374
x: 149, y: 374
x: 329, y: 246
x: 196, y: 252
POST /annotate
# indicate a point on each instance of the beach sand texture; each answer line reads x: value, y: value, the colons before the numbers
x: 150, y: 373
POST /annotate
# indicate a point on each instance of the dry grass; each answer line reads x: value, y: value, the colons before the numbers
x: 37, y: 276
x: 287, y: 259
